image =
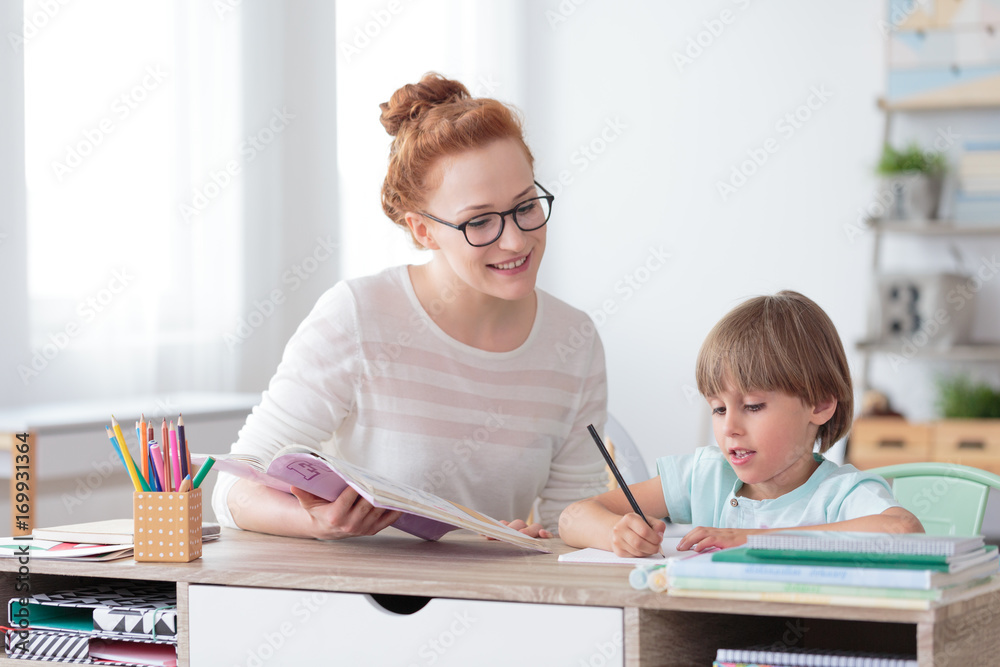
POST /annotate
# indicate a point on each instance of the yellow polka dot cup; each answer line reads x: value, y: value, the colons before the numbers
x: 167, y: 526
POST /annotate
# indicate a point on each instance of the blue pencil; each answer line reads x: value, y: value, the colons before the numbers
x: 114, y: 443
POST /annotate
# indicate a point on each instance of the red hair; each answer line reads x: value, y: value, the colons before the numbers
x: 432, y: 119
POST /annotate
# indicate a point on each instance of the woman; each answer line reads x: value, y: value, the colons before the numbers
x: 456, y: 376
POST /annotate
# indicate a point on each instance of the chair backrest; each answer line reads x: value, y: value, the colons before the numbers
x: 947, y: 498
x: 626, y: 454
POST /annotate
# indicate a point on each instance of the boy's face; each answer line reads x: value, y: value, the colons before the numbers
x: 768, y: 437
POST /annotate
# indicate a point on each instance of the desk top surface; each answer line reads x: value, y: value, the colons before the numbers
x: 461, y: 565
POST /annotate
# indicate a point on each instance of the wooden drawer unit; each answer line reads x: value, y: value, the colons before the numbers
x: 971, y: 442
x: 881, y: 441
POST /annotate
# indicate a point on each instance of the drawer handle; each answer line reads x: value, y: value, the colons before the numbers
x: 898, y: 444
x: 972, y: 444
x: 402, y: 605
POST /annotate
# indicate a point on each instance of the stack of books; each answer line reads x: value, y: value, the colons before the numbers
x: 110, y: 539
x: 977, y: 200
x: 911, y: 571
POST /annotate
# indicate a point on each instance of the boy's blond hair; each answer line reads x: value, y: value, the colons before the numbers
x: 786, y: 343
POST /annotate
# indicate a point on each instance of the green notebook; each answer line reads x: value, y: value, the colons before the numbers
x: 854, y: 559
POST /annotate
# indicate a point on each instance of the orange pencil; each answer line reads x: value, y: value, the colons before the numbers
x: 165, y: 444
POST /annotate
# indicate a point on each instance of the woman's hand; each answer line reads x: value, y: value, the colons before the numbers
x: 534, y: 530
x: 631, y: 537
x: 702, y: 538
x: 347, y: 516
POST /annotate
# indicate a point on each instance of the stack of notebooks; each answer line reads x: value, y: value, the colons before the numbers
x: 93, y: 541
x: 130, y: 624
x: 909, y: 571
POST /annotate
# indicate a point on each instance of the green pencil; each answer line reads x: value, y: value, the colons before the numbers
x: 201, y: 473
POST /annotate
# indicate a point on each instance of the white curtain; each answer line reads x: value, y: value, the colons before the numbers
x: 132, y: 114
x: 181, y: 192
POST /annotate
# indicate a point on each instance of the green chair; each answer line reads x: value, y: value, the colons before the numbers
x: 949, y: 499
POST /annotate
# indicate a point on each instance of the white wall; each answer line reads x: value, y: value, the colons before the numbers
x: 683, y: 128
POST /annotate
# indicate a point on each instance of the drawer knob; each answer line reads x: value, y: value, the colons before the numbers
x: 972, y: 444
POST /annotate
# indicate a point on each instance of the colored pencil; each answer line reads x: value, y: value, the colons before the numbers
x: 144, y: 447
x: 154, y: 481
x: 204, y: 471
x: 185, y: 485
x: 137, y: 481
x: 182, y: 448
x: 157, y: 455
x: 175, y: 458
x: 114, y: 443
x: 168, y: 474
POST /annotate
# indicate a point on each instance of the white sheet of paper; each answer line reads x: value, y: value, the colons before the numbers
x: 592, y: 555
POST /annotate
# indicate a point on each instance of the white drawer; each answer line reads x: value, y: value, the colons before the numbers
x: 258, y: 627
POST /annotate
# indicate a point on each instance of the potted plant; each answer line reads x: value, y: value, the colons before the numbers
x: 914, y: 177
x: 970, y: 431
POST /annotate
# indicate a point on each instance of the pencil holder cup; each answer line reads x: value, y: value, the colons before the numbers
x: 167, y: 526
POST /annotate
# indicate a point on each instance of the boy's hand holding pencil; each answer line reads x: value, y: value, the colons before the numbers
x: 635, y: 537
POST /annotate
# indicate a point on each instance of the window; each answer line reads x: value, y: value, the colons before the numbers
x: 132, y: 114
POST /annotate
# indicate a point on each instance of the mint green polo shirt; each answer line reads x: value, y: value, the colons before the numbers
x: 700, y: 489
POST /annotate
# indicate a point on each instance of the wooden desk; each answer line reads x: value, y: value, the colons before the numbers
x: 657, y: 629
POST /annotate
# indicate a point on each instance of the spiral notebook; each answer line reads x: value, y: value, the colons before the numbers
x: 764, y: 655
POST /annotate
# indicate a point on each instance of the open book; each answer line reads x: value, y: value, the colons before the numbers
x: 425, y: 515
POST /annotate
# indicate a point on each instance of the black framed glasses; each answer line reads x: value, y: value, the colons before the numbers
x: 486, y: 228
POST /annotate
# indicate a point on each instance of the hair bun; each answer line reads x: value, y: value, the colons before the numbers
x: 414, y: 100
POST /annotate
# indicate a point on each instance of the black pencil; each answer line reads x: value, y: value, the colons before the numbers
x: 618, y: 476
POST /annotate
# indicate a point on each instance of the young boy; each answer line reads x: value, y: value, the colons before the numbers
x: 775, y: 375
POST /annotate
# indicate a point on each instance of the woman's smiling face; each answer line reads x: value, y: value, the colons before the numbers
x: 495, y: 177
